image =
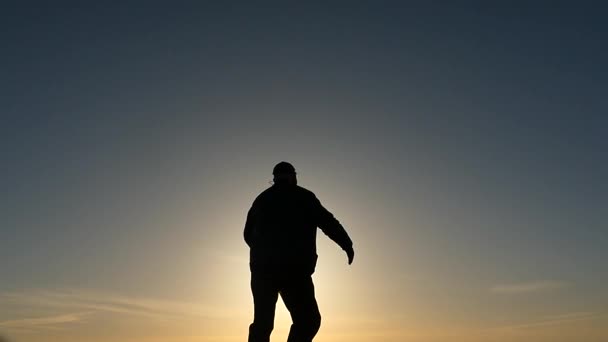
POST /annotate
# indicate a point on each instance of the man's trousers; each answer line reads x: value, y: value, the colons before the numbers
x: 298, y: 294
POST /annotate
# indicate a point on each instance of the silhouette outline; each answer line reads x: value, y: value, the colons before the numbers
x: 281, y: 231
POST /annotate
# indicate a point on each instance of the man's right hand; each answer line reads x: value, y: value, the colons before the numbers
x: 350, y: 252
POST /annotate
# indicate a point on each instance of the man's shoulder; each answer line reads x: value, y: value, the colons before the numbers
x: 264, y: 194
x: 274, y: 191
x: 306, y: 194
x: 304, y: 191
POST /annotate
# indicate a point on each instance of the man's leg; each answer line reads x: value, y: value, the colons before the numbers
x: 298, y: 293
x: 265, y: 294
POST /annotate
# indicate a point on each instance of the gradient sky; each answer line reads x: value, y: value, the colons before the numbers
x: 462, y: 145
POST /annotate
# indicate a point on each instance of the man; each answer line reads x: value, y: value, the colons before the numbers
x: 281, y: 232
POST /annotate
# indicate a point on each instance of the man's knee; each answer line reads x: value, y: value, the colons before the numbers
x: 310, y: 324
x: 315, y: 322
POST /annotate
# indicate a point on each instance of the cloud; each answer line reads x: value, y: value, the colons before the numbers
x: 535, y: 286
x: 84, y: 302
x: 43, y: 322
x: 552, y: 320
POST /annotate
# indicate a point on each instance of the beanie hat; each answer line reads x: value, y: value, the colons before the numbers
x: 283, y: 168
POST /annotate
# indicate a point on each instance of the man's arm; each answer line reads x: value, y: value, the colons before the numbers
x: 248, y: 233
x: 334, y: 230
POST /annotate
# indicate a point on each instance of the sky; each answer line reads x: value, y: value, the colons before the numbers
x: 461, y: 144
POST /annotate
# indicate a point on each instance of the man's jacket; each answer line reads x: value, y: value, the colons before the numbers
x: 281, y: 230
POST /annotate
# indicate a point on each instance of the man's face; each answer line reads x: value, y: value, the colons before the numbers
x: 286, y: 178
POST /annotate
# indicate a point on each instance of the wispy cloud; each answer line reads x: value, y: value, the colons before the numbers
x: 74, y: 304
x: 552, y: 320
x: 527, y: 287
x: 43, y: 322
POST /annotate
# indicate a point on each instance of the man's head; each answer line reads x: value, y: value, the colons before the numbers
x: 284, y: 173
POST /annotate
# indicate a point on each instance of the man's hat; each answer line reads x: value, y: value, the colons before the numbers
x: 283, y: 168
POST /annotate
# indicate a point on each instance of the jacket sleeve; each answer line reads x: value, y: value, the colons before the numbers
x: 248, y: 233
x: 331, y: 226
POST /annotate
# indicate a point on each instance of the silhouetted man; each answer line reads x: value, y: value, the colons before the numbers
x: 281, y: 232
